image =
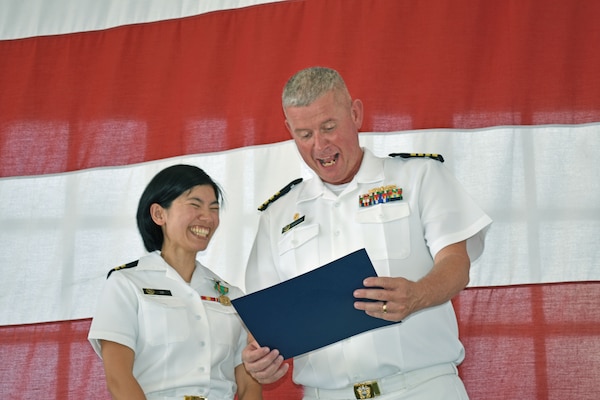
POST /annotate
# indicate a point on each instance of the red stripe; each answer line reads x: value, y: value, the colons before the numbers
x: 522, y: 342
x: 212, y: 82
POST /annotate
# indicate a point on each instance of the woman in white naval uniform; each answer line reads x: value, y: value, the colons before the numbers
x: 164, y: 326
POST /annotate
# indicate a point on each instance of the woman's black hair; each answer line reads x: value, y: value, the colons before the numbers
x: 165, y: 187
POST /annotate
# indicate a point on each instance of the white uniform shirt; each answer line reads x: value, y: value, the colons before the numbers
x: 183, y: 345
x: 401, y: 238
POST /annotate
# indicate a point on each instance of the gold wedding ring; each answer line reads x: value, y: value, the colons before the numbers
x: 385, y: 307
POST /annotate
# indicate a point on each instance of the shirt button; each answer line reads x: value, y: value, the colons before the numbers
x: 337, y: 233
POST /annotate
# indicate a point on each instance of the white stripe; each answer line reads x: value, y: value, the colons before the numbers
x: 61, y: 233
x: 29, y: 18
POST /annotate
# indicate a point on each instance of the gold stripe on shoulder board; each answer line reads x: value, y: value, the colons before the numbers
x: 410, y: 155
x: 280, y: 193
x: 128, y: 265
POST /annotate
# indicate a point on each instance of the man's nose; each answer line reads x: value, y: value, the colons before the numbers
x: 321, y: 141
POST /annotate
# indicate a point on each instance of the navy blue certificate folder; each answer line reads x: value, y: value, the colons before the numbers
x: 312, y: 310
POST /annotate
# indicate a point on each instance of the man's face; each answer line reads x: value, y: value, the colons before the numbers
x: 326, y: 134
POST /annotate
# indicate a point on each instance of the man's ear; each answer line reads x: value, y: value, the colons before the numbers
x: 288, y: 127
x: 357, y: 113
x: 158, y: 214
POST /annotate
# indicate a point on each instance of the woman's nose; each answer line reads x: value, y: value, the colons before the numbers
x: 206, y: 215
x: 202, y: 214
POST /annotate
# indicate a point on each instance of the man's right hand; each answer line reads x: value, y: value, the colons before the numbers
x: 265, y: 365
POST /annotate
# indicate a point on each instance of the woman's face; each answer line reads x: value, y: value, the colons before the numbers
x: 191, y: 220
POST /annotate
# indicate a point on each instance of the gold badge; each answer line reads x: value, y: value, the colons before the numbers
x: 366, y: 390
x: 224, y: 300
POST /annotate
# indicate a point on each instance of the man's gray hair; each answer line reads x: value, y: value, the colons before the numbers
x: 311, y: 83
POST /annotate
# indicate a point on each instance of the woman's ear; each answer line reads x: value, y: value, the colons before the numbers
x: 158, y: 214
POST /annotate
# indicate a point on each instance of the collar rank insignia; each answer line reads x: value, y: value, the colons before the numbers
x: 410, y: 155
x: 280, y: 193
x: 297, y: 220
x: 157, y: 292
x: 124, y: 266
x: 380, y: 195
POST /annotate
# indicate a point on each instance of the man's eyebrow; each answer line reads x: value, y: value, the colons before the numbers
x: 326, y: 122
x: 298, y: 130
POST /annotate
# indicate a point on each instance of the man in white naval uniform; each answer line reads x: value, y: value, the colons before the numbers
x: 419, y: 227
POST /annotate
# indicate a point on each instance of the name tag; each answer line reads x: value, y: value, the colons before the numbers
x: 157, y: 292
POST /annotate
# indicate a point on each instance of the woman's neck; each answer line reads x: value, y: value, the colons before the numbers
x: 183, y: 263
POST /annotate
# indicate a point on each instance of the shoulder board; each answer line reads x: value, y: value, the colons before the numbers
x: 129, y: 265
x: 409, y: 155
x: 279, y: 194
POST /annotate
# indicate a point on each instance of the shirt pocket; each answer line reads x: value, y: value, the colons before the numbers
x: 386, y: 230
x: 298, y: 247
x: 224, y: 323
x: 225, y: 332
x: 165, y: 319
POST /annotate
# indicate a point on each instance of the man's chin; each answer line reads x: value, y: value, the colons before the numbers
x: 331, y: 178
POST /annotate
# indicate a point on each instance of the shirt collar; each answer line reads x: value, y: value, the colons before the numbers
x: 154, y: 262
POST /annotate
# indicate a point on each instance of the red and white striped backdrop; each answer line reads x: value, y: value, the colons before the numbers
x: 96, y: 97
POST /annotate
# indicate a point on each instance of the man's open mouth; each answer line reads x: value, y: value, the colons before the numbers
x: 329, y: 161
